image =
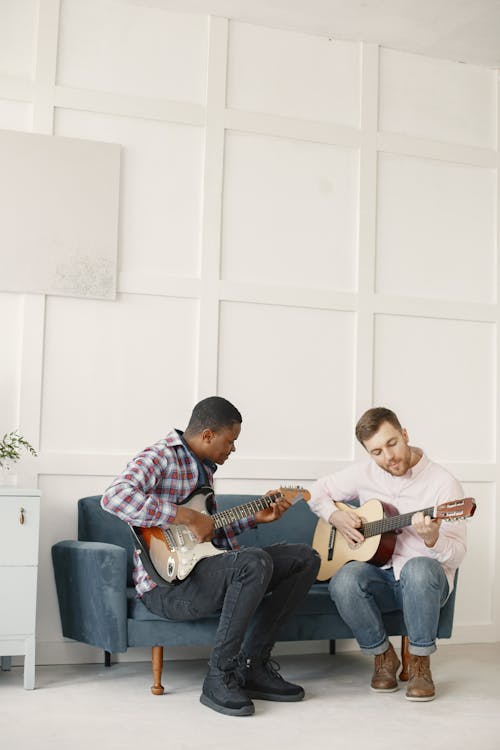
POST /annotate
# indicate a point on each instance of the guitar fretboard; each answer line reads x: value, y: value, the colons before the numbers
x: 391, y: 523
x: 240, y: 512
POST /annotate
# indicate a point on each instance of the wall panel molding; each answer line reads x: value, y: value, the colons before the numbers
x: 46, y: 66
x: 212, y: 207
x: 396, y: 143
x: 290, y: 127
x: 496, y: 591
x: 127, y: 105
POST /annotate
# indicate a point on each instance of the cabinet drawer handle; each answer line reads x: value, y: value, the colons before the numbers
x: 21, y: 517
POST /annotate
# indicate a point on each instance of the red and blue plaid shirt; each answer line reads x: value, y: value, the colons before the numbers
x: 152, y: 486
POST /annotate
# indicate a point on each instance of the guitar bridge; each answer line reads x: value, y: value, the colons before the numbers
x: 331, y: 543
x: 169, y: 536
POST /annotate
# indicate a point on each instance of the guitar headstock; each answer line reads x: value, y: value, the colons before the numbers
x: 294, y: 494
x: 456, y: 510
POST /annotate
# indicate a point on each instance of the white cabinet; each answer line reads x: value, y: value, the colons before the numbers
x: 19, y: 524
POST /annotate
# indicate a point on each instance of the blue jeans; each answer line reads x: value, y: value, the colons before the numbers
x: 254, y: 590
x: 362, y: 592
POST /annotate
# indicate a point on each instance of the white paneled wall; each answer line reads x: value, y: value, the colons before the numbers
x: 17, y: 37
x: 308, y: 227
x: 449, y: 365
x: 270, y: 357
x: 293, y: 75
x: 101, y: 44
x: 435, y: 99
x: 109, y: 373
x: 436, y: 229
x: 289, y: 212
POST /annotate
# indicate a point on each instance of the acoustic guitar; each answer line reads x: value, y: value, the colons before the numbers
x: 380, y: 525
x: 169, y: 554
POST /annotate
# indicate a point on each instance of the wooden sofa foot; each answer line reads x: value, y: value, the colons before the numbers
x: 157, y: 664
x: 403, y: 675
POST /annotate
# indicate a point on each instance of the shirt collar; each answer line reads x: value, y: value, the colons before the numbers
x: 206, y: 462
x: 419, y: 466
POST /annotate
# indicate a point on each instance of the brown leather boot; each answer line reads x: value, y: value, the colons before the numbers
x: 420, y: 684
x: 384, y: 679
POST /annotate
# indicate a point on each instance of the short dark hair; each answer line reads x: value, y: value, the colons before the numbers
x: 370, y: 422
x: 213, y: 413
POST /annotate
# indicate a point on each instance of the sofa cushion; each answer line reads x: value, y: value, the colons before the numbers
x: 318, y: 602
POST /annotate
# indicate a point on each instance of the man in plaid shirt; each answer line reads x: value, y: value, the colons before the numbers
x: 150, y: 492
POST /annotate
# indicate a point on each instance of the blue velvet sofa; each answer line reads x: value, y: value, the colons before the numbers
x: 98, y: 605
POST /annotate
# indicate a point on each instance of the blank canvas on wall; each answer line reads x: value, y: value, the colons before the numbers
x: 58, y: 215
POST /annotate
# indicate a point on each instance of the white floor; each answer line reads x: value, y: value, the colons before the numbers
x: 89, y: 706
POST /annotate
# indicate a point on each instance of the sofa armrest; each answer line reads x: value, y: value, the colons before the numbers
x: 91, y: 582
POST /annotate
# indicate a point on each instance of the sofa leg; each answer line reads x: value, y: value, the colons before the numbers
x: 403, y: 675
x: 332, y: 648
x: 157, y: 664
x: 107, y: 659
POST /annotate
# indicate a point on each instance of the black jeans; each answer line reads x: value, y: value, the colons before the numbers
x: 235, y: 584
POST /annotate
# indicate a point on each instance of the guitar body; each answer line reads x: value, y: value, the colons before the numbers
x: 174, y: 560
x: 174, y: 550
x: 335, y: 551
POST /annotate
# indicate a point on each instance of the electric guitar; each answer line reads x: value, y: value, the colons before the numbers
x: 380, y: 524
x: 170, y: 554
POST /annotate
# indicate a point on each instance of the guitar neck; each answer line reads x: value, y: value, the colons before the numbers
x: 240, y: 512
x: 391, y: 523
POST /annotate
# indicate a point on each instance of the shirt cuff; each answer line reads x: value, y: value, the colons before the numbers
x: 438, y: 548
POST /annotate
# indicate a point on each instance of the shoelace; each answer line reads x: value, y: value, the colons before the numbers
x: 272, y: 667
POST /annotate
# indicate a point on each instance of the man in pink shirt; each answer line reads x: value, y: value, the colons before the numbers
x: 419, y: 576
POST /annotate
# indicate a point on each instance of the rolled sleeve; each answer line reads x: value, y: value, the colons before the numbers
x: 451, y: 544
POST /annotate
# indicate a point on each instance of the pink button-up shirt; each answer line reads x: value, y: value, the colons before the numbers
x: 426, y: 484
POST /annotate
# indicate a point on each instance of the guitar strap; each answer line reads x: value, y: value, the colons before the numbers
x: 150, y: 569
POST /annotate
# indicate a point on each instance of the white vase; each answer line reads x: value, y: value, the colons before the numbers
x: 8, y: 474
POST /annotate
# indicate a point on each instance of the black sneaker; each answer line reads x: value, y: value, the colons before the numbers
x: 222, y: 692
x: 263, y: 680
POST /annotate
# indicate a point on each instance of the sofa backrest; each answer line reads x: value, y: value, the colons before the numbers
x: 296, y: 525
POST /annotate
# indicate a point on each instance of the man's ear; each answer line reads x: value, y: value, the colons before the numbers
x: 404, y: 432
x: 207, y: 435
